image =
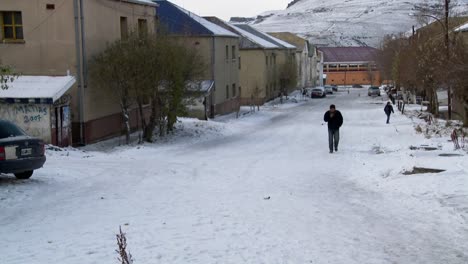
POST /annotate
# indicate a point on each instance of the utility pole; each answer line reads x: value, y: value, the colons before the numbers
x: 447, y: 50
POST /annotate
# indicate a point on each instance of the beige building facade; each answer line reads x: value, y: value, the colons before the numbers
x: 220, y: 50
x: 56, y: 38
x: 260, y: 60
x: 307, y: 59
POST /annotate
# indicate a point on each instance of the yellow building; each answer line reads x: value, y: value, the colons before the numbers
x: 219, y: 48
x: 57, y: 38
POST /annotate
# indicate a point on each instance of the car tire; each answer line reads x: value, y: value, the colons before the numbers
x: 24, y: 175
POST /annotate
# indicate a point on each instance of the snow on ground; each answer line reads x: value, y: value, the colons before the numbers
x: 259, y: 189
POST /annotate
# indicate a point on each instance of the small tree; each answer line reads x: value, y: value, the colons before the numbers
x: 112, y: 71
x: 458, y: 73
x: 7, y: 75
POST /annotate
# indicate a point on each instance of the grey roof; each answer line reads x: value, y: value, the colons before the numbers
x: 245, y: 42
x: 265, y: 36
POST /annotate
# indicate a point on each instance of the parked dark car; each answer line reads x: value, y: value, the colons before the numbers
x: 373, y: 91
x: 335, y: 88
x: 357, y: 86
x: 318, y: 92
x: 20, y: 154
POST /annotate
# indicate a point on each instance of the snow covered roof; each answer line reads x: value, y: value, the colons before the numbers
x: 180, y: 21
x: 348, y: 54
x: 203, y: 87
x: 260, y: 42
x: 46, y: 88
x: 263, y: 38
x: 143, y: 2
x: 462, y: 28
x: 291, y: 38
x: 247, y: 41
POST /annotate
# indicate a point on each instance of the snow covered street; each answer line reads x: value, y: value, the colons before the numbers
x: 259, y: 189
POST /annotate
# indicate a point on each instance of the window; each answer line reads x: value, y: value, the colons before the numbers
x: 332, y: 67
x: 142, y: 28
x: 274, y: 60
x: 11, y: 25
x: 233, y: 90
x: 240, y: 63
x: 266, y: 59
x: 227, y: 91
x: 233, y: 52
x: 227, y: 52
x: 123, y: 28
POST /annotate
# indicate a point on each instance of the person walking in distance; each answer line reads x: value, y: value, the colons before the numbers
x: 388, y: 111
x: 335, y: 120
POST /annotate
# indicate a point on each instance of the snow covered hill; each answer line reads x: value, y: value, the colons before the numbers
x: 348, y: 22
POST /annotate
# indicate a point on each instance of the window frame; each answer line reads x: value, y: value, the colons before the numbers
x: 124, y: 27
x: 227, y: 53
x: 234, y: 53
x: 13, y: 26
x: 142, y: 27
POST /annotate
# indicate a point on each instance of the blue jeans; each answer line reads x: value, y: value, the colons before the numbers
x: 333, y: 139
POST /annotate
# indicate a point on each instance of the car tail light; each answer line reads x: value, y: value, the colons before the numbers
x: 2, y: 153
x: 42, y: 148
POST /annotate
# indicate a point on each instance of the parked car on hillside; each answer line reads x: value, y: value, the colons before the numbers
x: 20, y: 154
x: 373, y: 91
x: 318, y: 92
x: 328, y: 89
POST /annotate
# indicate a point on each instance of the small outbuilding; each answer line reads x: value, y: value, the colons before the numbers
x: 40, y: 105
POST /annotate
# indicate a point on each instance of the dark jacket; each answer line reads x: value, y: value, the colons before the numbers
x: 334, y: 122
x: 388, y: 109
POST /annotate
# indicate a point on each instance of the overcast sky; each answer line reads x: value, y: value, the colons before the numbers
x: 226, y: 9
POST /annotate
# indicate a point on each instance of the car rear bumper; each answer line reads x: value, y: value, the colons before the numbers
x: 21, y: 165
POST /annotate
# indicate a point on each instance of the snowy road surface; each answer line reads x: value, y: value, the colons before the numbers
x: 260, y: 189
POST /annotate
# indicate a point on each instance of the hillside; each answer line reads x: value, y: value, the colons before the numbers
x: 348, y: 22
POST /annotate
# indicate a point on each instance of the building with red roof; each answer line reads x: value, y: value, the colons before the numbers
x: 350, y: 65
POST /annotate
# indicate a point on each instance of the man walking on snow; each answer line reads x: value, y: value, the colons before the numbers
x: 334, y: 119
x: 388, y: 111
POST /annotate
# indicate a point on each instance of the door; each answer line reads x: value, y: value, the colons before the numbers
x: 62, y: 124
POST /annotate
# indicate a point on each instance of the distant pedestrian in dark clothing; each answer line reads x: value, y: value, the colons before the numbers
x: 390, y: 96
x: 388, y: 111
x: 335, y: 120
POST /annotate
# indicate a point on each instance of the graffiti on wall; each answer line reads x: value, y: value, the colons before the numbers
x: 34, y: 119
x: 31, y: 113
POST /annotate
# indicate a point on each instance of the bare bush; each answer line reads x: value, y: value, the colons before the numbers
x: 124, y: 256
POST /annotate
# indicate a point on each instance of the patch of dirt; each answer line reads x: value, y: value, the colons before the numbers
x: 420, y: 170
x: 450, y: 155
x: 424, y: 147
